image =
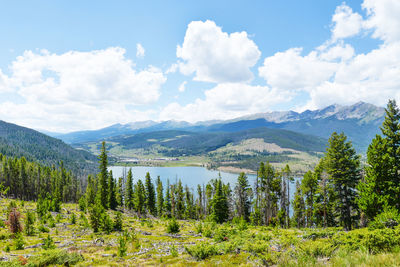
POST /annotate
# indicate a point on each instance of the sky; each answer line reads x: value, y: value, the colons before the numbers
x: 80, y: 65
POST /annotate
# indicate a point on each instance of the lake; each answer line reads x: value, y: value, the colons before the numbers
x: 191, y: 176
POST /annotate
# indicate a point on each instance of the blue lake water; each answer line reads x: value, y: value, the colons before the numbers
x: 191, y: 176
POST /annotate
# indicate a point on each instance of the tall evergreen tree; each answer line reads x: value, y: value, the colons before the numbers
x: 298, y: 207
x: 103, y: 176
x: 160, y: 197
x: 129, y: 197
x: 140, y: 198
x: 381, y: 185
x: 243, y: 196
x: 219, y: 211
x: 309, y: 186
x: 167, y: 202
x: 150, y: 195
x: 112, y: 192
x: 343, y: 165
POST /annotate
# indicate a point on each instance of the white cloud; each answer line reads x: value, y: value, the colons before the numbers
x: 78, y: 90
x: 383, y: 19
x: 226, y: 101
x: 216, y: 56
x: 139, y: 50
x: 182, y: 87
x: 290, y: 70
x: 346, y: 22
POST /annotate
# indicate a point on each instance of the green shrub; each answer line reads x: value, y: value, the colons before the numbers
x: 317, y: 248
x: 382, y: 240
x: 59, y: 217
x: 48, y: 243
x: 43, y: 229
x: 7, y: 248
x: 122, y: 244
x: 201, y: 251
x: 107, y: 224
x: 221, y: 234
x: 199, y: 228
x: 73, y: 218
x: 174, y: 251
x: 29, y: 222
x: 19, y: 242
x: 207, y: 232
x: 84, y: 221
x: 82, y: 203
x: 173, y: 226
x: 118, y: 223
x: 56, y: 257
x: 389, y: 218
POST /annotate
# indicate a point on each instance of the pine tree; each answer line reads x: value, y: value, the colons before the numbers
x: 90, y: 191
x: 243, y: 197
x: 112, y: 192
x: 103, y: 176
x: 343, y: 165
x: 129, y: 197
x: 298, y: 207
x: 381, y: 185
x: 167, y: 202
x: 150, y: 195
x: 219, y: 205
x: 288, y: 178
x: 180, y: 204
x: 139, y: 197
x: 309, y: 186
x: 160, y: 197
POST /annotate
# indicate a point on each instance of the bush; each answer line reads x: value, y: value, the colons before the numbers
x: 173, y: 226
x: 73, y: 218
x: 106, y: 223
x: 122, y: 244
x: 29, y: 222
x: 201, y: 251
x: 118, y: 223
x: 82, y: 203
x: 174, y: 251
x: 199, y: 228
x: 382, y: 240
x: 317, y: 248
x: 222, y: 234
x: 43, y: 229
x: 48, y: 243
x: 84, y: 221
x: 19, y: 242
x: 56, y: 257
x: 389, y: 218
x: 207, y: 232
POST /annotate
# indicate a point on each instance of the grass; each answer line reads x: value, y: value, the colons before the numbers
x: 147, y: 243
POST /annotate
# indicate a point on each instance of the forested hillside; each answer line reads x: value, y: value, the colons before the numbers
x: 17, y: 141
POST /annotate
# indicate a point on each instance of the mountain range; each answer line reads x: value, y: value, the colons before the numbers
x: 360, y: 122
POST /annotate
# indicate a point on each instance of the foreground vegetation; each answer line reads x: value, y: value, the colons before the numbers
x: 66, y: 238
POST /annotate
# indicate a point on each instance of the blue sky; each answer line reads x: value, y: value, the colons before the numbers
x: 74, y: 65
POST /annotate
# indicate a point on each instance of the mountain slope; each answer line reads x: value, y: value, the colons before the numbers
x: 19, y: 141
x: 360, y: 122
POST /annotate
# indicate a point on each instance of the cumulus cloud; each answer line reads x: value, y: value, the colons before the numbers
x: 216, y: 56
x: 77, y: 86
x: 139, y: 50
x: 383, y: 19
x: 226, y: 101
x: 290, y: 70
x: 346, y: 22
x: 333, y: 72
